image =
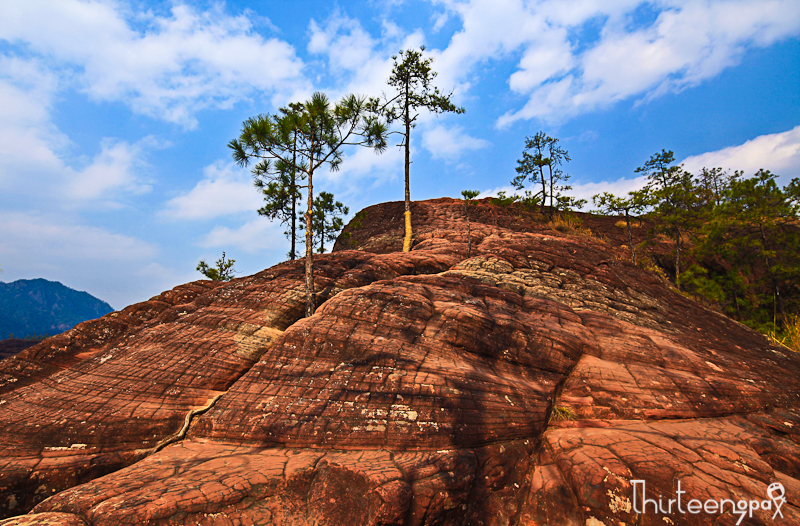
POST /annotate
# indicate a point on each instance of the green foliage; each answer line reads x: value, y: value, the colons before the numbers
x: 224, y: 270
x: 636, y: 203
x: 528, y: 201
x: 279, y: 183
x: 469, y: 195
x: 326, y: 219
x: 674, y: 195
x: 355, y: 224
x: 753, y: 234
x: 35, y: 336
x: 740, y: 234
x: 541, y: 164
x: 304, y: 138
x: 504, y: 200
x: 696, y: 282
x: 411, y: 80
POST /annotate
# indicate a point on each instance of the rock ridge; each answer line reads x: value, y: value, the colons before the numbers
x: 423, y: 391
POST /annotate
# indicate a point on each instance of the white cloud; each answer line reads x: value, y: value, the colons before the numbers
x: 80, y: 256
x: 116, y: 167
x: 620, y: 187
x: 450, y: 143
x: 167, y: 67
x: 564, y: 74
x: 224, y: 190
x: 776, y: 152
x: 359, y: 63
x: 26, y: 135
x: 33, y: 152
x: 252, y: 237
x: 59, y: 240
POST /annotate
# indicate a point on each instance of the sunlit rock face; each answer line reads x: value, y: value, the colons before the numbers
x: 525, y: 380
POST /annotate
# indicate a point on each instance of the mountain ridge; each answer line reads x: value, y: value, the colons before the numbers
x: 40, y: 306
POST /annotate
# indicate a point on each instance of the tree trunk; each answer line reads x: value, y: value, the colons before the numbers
x: 292, y: 190
x: 310, y: 306
x: 775, y: 284
x: 544, y: 189
x: 677, y: 255
x: 630, y: 236
x: 407, y: 214
x: 322, y: 234
x: 550, y: 167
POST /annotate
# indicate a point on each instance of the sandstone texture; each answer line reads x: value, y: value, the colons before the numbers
x: 526, y: 383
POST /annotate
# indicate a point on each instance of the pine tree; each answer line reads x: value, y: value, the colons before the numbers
x: 675, y: 194
x: 540, y: 164
x: 224, y: 270
x: 327, y: 219
x: 469, y: 195
x: 278, y: 183
x: 411, y: 79
x: 636, y: 203
x: 310, y: 141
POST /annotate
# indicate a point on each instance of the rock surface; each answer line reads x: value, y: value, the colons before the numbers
x: 525, y: 384
x: 12, y: 346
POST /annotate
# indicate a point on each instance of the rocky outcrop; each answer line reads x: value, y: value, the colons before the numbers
x: 529, y: 384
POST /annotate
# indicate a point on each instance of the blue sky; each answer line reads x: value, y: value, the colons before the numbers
x: 115, y: 176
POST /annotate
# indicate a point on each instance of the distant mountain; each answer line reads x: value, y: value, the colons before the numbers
x: 38, y: 306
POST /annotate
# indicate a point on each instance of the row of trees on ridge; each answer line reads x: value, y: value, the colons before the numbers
x: 736, y: 239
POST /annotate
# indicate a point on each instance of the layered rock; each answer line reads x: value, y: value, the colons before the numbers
x: 527, y: 383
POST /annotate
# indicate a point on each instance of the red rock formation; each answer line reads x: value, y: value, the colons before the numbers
x: 12, y: 346
x: 526, y: 385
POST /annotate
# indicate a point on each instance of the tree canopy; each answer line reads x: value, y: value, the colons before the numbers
x: 314, y: 137
x: 327, y: 219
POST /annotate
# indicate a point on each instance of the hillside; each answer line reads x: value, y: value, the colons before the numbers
x: 11, y: 346
x: 527, y: 383
x: 39, y: 306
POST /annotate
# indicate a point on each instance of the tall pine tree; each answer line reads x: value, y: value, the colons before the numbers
x: 311, y: 141
x: 411, y: 79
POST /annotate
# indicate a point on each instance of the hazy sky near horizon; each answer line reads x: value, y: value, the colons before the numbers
x: 116, y: 178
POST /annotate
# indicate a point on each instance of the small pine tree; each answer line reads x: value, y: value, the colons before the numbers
x: 326, y: 219
x: 636, y: 203
x: 224, y: 270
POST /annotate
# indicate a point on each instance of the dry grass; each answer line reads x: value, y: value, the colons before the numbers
x: 567, y: 223
x: 561, y: 413
x: 634, y: 224
x: 645, y: 262
x: 790, y: 337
